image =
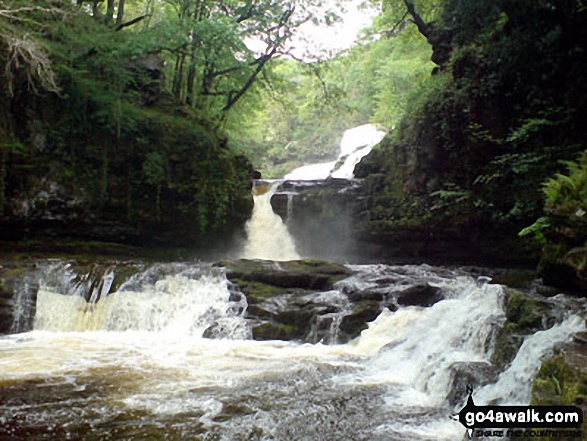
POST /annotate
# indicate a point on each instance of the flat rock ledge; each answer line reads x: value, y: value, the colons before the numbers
x: 303, y: 300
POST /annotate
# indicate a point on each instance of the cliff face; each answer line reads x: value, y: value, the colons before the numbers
x: 134, y: 169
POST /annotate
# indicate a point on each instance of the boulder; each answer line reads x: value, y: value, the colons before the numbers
x: 263, y: 278
x: 419, y: 295
x: 275, y: 331
x: 562, y: 379
x: 474, y: 375
x: 364, y: 312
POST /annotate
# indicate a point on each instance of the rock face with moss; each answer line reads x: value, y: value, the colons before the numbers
x: 467, y: 162
x: 525, y: 315
x: 321, y: 216
x: 113, y: 157
x: 562, y: 380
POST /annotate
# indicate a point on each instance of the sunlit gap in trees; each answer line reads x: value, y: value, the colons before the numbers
x: 326, y: 31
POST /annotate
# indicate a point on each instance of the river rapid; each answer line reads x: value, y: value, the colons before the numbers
x: 135, y: 364
x: 169, y: 354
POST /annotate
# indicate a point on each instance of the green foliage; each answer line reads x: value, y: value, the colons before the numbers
x: 114, y: 138
x: 567, y: 194
x: 154, y: 168
x: 536, y: 230
x: 301, y: 117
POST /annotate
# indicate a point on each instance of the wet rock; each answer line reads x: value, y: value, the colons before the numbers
x: 562, y: 379
x: 320, y: 216
x: 6, y: 308
x: 357, y: 296
x: 301, y: 318
x: 260, y: 279
x: 474, y: 375
x: 353, y: 324
x: 18, y: 296
x: 275, y: 331
x: 419, y: 295
x: 525, y: 315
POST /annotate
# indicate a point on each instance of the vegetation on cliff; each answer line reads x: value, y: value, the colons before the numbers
x: 113, y: 113
x: 503, y: 110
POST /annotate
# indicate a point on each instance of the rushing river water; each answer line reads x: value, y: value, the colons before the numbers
x: 169, y: 354
x: 135, y: 364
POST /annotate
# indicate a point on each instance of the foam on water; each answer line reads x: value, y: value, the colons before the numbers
x: 142, y: 349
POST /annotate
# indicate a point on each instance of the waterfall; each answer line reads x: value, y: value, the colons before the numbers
x: 166, y: 298
x: 124, y: 357
x: 514, y: 384
x: 354, y: 145
x: 267, y: 235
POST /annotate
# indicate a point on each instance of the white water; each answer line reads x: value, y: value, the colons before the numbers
x: 267, y: 235
x: 354, y: 145
x: 138, y: 362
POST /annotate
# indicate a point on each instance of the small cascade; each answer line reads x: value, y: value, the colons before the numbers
x: 116, y: 350
x: 173, y: 298
x: 355, y: 144
x: 514, y: 384
x: 267, y: 235
x: 416, y: 348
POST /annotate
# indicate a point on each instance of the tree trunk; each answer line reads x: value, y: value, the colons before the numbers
x: 178, y: 77
x: 233, y: 98
x: 3, y: 179
x: 120, y: 13
x: 158, y: 203
x: 104, y: 183
x: 423, y: 27
x: 110, y: 11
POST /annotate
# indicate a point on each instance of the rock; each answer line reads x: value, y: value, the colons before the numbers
x: 364, y: 312
x: 525, y: 315
x: 419, y: 295
x: 357, y: 296
x: 562, y: 379
x: 474, y: 375
x: 274, y: 331
x: 284, y: 297
x: 305, y: 274
x: 320, y: 216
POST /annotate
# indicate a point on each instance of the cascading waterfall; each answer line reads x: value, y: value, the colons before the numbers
x: 267, y: 235
x: 355, y: 144
x: 173, y: 298
x: 132, y: 361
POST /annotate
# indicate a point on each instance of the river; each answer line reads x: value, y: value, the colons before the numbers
x: 139, y: 361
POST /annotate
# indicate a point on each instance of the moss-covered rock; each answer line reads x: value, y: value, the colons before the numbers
x: 524, y: 316
x: 304, y: 274
x: 275, y: 331
x: 562, y: 380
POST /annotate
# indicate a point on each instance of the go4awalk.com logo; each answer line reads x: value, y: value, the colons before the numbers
x: 521, y: 421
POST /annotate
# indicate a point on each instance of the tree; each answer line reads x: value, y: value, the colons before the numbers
x: 212, y: 65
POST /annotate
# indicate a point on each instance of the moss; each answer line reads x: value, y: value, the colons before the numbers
x: 274, y: 331
x: 305, y: 274
x: 562, y: 381
x: 524, y: 311
x: 257, y: 291
x: 525, y: 315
